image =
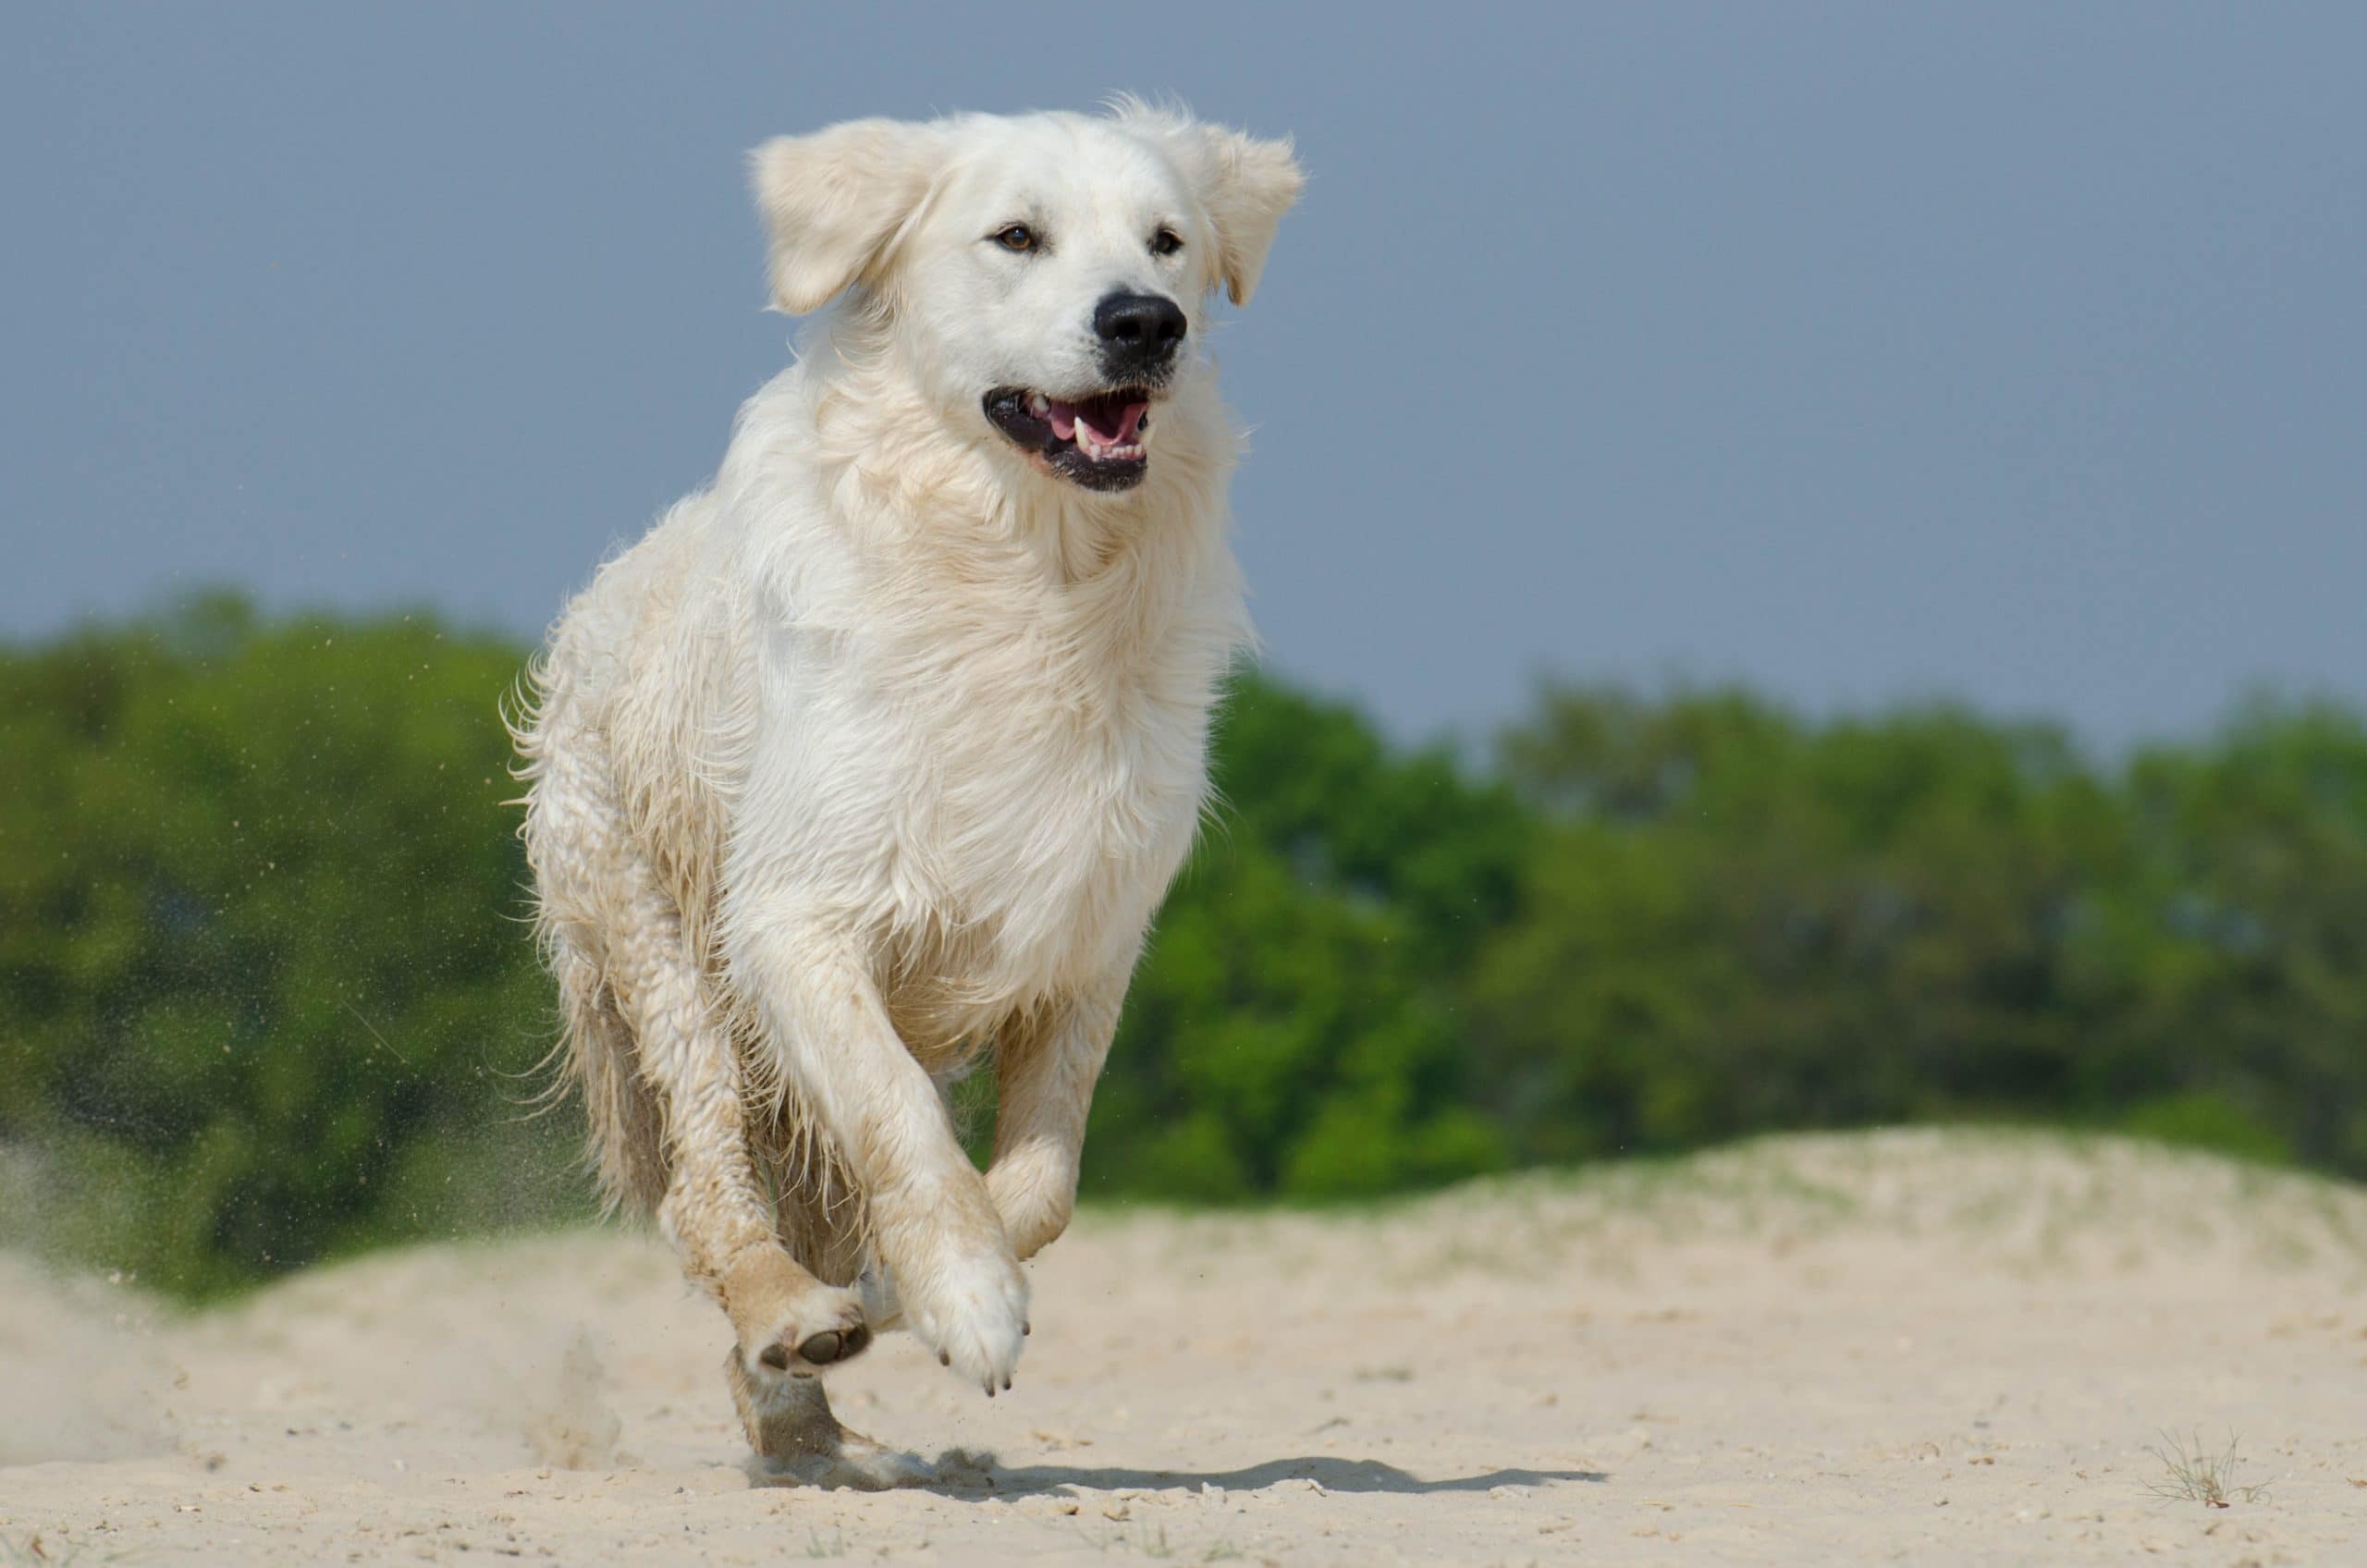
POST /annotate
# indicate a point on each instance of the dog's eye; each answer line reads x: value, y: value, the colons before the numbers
x: 1166, y: 242
x: 1018, y: 236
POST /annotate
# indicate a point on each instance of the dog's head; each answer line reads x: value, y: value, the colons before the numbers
x: 1043, y: 276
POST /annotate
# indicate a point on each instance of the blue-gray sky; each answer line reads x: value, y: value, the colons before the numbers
x: 2011, y: 352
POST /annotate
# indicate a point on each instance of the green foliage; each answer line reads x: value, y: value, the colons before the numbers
x: 1275, y: 1042
x: 265, y: 996
x: 1739, y: 921
x: 257, y: 975
x: 1294, y: 1030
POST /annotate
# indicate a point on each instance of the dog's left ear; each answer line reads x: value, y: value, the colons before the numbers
x: 834, y: 201
x: 1247, y: 185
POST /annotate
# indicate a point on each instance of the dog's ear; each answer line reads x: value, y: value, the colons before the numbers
x: 1247, y: 185
x: 833, y: 203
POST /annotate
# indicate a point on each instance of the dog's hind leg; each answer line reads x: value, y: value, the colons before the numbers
x: 795, y: 1437
x: 787, y: 1421
x: 819, y: 1213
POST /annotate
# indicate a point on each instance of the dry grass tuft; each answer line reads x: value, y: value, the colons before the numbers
x: 2200, y: 1475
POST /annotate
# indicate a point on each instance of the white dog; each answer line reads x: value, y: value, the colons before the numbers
x: 874, y: 759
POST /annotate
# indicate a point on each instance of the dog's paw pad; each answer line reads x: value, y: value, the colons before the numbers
x: 831, y: 1344
x: 810, y: 1340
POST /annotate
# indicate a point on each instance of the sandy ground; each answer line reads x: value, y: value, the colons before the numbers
x: 1911, y: 1347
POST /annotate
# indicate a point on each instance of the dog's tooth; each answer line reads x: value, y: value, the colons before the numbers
x: 1038, y: 405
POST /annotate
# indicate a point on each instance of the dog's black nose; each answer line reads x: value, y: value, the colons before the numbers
x: 1138, y: 330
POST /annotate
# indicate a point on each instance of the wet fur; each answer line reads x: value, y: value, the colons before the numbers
x: 872, y: 761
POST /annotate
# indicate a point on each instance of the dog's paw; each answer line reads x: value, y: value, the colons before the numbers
x: 854, y: 1463
x: 794, y: 1439
x: 972, y: 1309
x: 821, y: 1327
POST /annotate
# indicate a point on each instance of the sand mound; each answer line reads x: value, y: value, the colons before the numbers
x: 1926, y: 1346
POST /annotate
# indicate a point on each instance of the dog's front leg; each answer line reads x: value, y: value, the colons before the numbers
x: 931, y: 1220
x: 1043, y: 1090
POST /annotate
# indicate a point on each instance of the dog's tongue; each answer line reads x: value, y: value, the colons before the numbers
x: 1112, y: 419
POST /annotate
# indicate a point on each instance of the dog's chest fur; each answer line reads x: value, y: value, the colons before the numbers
x: 980, y: 748
x: 1050, y: 750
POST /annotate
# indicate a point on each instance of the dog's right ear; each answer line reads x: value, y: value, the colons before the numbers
x: 834, y: 203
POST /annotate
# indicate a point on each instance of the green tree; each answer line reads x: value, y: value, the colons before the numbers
x: 1295, y: 1026
x: 258, y: 975
x: 266, y: 995
x: 1739, y: 921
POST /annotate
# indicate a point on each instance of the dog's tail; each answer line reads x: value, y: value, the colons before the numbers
x: 625, y: 1137
x: 594, y: 1057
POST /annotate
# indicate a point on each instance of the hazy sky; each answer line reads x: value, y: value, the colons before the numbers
x: 2017, y: 352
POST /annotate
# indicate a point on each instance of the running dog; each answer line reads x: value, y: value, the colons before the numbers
x: 871, y: 762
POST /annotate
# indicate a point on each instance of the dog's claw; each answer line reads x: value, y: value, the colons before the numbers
x: 969, y: 1313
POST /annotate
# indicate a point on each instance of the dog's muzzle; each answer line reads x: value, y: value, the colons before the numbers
x: 1096, y: 441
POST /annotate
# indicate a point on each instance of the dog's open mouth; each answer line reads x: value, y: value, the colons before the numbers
x: 1096, y: 441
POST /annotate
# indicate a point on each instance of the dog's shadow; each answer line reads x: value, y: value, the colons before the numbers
x: 972, y: 1474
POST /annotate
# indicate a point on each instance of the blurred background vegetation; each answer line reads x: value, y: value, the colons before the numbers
x: 266, y: 997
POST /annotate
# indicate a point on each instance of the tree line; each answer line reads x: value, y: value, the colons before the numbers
x: 266, y: 995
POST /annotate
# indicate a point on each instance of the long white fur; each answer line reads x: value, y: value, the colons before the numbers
x: 878, y: 756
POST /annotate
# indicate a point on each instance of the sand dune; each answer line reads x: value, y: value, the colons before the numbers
x: 1911, y: 1346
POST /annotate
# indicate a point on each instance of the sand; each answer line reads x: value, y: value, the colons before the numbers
x: 1914, y: 1347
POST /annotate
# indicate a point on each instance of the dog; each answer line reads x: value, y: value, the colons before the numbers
x: 870, y: 763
